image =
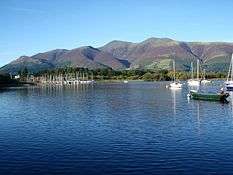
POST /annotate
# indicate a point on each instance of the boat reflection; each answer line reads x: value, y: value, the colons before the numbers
x: 174, y: 93
x: 198, y: 117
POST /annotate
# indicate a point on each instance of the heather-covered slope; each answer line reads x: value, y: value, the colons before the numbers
x: 153, y: 53
x: 159, y: 52
x: 87, y: 57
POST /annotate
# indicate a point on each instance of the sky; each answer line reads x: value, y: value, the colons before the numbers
x: 28, y: 27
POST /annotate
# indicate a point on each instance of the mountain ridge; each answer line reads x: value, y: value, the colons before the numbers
x: 152, y: 53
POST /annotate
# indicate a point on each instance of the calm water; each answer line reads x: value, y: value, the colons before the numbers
x: 135, y: 128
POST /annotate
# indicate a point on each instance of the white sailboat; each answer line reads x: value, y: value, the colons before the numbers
x: 229, y: 82
x: 175, y: 84
x: 85, y: 80
x: 192, y: 81
x: 205, y: 81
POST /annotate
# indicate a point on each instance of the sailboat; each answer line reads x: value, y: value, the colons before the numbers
x: 205, y: 81
x: 192, y: 81
x: 229, y: 82
x: 85, y: 79
x: 175, y: 84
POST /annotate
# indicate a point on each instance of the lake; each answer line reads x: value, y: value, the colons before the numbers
x: 114, y: 128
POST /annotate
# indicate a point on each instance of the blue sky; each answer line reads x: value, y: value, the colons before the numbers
x: 30, y: 26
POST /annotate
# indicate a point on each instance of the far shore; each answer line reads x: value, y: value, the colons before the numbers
x: 24, y: 84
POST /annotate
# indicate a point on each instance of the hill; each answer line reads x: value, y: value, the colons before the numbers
x: 153, y: 53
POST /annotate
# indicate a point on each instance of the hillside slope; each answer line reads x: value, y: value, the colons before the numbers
x: 153, y: 53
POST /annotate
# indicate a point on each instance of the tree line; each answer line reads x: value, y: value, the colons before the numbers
x: 135, y: 74
x: 6, y: 80
x: 110, y: 74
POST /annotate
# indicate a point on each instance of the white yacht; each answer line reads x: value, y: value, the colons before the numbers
x: 229, y: 82
x: 85, y: 80
x: 175, y: 84
x: 204, y: 80
x: 192, y: 81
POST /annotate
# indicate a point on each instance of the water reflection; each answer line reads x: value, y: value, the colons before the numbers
x: 54, y: 90
x: 198, y: 116
x: 174, y: 94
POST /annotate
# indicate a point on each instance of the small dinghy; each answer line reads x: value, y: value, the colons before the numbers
x: 221, y: 97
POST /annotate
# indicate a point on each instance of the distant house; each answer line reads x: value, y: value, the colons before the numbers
x: 17, y: 76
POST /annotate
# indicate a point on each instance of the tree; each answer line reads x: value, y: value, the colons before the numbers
x: 24, y: 73
x: 148, y: 76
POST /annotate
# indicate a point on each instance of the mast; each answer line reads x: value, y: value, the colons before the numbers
x: 231, y: 66
x: 192, y: 69
x: 229, y: 71
x: 197, y: 69
x: 204, y: 74
x: 174, y: 70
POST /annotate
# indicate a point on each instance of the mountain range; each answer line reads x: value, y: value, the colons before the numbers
x: 153, y: 53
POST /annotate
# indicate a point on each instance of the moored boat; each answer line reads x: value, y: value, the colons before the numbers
x: 175, y: 84
x: 229, y: 85
x: 192, y: 81
x: 229, y: 82
x: 221, y: 97
x: 204, y: 80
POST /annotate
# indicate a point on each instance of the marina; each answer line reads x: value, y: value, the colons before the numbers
x: 65, y: 79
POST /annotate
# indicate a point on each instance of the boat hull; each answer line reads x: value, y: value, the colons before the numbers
x: 193, y: 82
x: 229, y: 88
x: 175, y: 85
x: 209, y: 96
x: 229, y: 85
x: 205, y: 81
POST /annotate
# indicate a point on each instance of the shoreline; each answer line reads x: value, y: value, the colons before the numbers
x: 26, y: 85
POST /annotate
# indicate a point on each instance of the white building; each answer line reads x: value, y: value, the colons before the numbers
x: 17, y: 76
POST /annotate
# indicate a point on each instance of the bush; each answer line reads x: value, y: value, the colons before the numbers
x: 148, y: 76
